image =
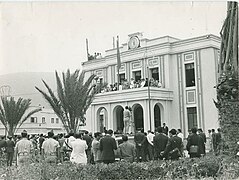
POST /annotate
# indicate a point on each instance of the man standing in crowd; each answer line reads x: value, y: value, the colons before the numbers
x: 67, y: 147
x: 127, y: 150
x: 10, y: 150
x: 180, y: 134
x: 107, y: 147
x: 96, y: 147
x: 218, y: 141
x: 174, y: 147
x: 214, y: 141
x: 88, y: 140
x: 195, y: 144
x: 50, y: 148
x: 41, y: 140
x: 204, y: 138
x: 140, y: 141
x: 210, y: 140
x: 61, y: 141
x: 127, y: 115
x: 24, y: 149
x: 79, y: 148
x: 160, y: 141
x: 165, y: 129
x: 150, y: 138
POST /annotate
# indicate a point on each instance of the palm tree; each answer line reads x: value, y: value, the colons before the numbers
x: 12, y: 113
x: 74, y: 96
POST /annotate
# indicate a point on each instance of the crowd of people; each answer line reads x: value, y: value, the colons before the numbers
x: 83, y: 148
x: 125, y: 84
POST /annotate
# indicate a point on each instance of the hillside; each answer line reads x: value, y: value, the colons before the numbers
x: 23, y: 85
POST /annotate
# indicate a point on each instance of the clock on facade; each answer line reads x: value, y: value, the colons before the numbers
x: 133, y: 42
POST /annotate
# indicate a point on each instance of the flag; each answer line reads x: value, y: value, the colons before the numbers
x: 118, y: 54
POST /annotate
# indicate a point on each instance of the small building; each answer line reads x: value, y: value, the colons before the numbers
x: 39, y: 123
x: 182, y: 75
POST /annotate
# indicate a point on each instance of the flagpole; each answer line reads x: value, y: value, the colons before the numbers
x: 118, y: 62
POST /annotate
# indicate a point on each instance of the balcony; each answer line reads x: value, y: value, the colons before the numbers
x: 133, y: 95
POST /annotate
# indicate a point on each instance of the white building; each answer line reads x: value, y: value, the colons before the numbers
x: 39, y: 123
x: 187, y: 70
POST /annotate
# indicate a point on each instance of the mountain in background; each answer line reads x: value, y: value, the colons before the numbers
x: 23, y: 85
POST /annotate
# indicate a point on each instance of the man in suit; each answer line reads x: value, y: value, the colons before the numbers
x: 88, y: 140
x: 195, y: 140
x: 174, y: 147
x: 140, y: 141
x: 127, y: 150
x: 165, y: 129
x: 203, y: 136
x: 218, y: 141
x: 107, y: 147
x: 160, y: 141
x: 10, y: 144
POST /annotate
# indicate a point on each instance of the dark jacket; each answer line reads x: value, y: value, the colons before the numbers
x: 107, y: 147
x: 88, y: 140
x: 173, y: 142
x: 203, y: 136
x: 10, y: 146
x: 196, y: 140
x: 140, y: 139
x: 160, y: 141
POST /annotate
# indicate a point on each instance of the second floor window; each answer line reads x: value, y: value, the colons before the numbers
x: 57, y: 120
x: 190, y: 75
x: 52, y: 120
x: 33, y: 120
x: 137, y: 75
x: 43, y: 120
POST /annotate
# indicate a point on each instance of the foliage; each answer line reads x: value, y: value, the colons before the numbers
x: 219, y: 167
x: 74, y: 96
x: 12, y: 112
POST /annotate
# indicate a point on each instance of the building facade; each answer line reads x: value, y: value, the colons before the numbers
x: 184, y: 71
x: 39, y: 123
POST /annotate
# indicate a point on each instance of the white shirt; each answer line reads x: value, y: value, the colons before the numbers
x: 24, y: 146
x: 50, y: 146
x: 180, y: 135
x: 78, y: 154
x: 150, y: 138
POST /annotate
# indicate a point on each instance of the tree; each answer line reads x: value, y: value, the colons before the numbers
x: 12, y: 113
x: 73, y: 98
x: 228, y: 82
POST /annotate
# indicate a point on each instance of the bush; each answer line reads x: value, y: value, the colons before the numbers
x: 223, y: 167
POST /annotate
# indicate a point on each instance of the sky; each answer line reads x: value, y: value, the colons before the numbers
x: 49, y: 36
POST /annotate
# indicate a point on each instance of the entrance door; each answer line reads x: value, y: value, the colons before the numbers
x: 138, y: 117
x: 157, y: 116
x: 119, y: 119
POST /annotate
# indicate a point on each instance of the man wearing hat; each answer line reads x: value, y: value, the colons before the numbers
x: 24, y: 149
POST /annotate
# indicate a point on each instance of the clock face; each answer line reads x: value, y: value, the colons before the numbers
x: 133, y: 42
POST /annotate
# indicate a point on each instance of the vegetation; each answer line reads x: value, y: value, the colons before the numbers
x: 12, y: 113
x: 73, y: 98
x: 208, y: 167
x: 228, y: 82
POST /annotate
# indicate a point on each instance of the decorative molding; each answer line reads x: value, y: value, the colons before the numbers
x: 154, y: 61
x: 136, y: 64
x: 191, y: 96
x: 189, y: 56
x: 99, y: 73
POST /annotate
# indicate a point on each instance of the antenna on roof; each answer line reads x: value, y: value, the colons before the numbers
x: 87, y: 49
x: 113, y: 42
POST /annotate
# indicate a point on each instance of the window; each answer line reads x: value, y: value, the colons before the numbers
x: 33, y: 120
x: 192, y: 117
x: 137, y: 75
x: 43, y: 120
x: 52, y: 120
x: 155, y: 73
x: 121, y: 78
x: 190, y: 75
x: 57, y: 120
